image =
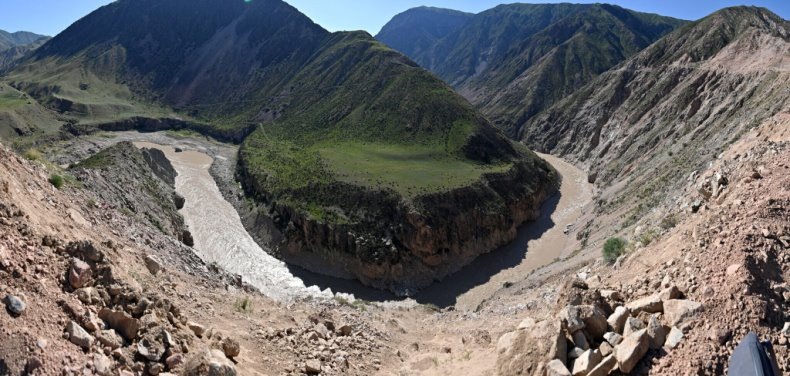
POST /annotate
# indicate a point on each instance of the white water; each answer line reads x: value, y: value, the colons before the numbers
x: 219, y: 234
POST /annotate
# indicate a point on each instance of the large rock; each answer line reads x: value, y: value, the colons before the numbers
x: 79, y: 273
x: 632, y: 325
x: 671, y: 292
x: 656, y: 332
x: 678, y: 311
x: 605, y: 367
x: 587, y: 317
x: 557, y: 368
x: 312, y: 367
x: 124, y: 324
x: 103, y: 365
x: 521, y: 352
x: 110, y: 338
x: 153, y: 264
x: 617, y: 319
x: 209, y: 363
x: 649, y: 304
x: 78, y: 335
x: 231, y: 347
x: 674, y: 337
x: 14, y: 305
x: 631, y: 350
x: 586, y: 362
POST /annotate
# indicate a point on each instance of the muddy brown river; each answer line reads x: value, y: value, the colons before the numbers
x: 219, y: 234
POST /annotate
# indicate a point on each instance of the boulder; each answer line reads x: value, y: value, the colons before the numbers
x: 631, y: 350
x: 124, y: 324
x: 196, y: 328
x: 677, y: 311
x: 605, y: 367
x: 674, y: 337
x: 14, y: 305
x: 612, y: 296
x: 632, y: 325
x: 321, y: 330
x: 649, y: 304
x: 520, y: 352
x: 110, y: 338
x: 671, y: 292
x: 79, y: 273
x: 557, y: 368
x: 102, y: 365
x: 586, y: 362
x: 312, y: 367
x: 656, y: 332
x: 231, y: 347
x: 174, y: 361
x: 613, y: 338
x: 580, y: 340
x: 153, y: 265
x: 345, y: 330
x: 78, y: 335
x: 617, y: 319
x: 151, y: 349
x: 587, y: 317
x: 209, y: 363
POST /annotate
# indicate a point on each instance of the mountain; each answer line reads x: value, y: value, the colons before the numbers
x: 515, y: 60
x: 415, y: 31
x: 14, y: 46
x: 19, y: 38
x: 363, y: 164
x: 672, y: 108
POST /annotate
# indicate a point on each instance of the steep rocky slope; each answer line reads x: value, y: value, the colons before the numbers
x: 650, y: 122
x: 515, y: 60
x: 86, y: 288
x: 139, y: 183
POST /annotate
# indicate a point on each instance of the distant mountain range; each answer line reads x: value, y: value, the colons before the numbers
x: 14, y: 46
x: 515, y: 60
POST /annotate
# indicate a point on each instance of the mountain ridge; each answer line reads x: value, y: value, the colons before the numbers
x: 513, y: 61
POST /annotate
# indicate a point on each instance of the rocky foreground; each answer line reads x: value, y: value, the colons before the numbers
x: 682, y: 304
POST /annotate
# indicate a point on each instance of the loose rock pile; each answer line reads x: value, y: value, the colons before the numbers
x: 330, y: 347
x: 597, y: 333
x: 133, y: 331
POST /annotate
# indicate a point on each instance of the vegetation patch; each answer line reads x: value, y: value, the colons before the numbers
x: 614, y: 248
x: 56, y: 180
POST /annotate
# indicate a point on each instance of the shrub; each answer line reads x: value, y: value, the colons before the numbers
x: 33, y: 155
x: 244, y: 305
x: 613, y: 248
x: 56, y: 180
x: 669, y: 222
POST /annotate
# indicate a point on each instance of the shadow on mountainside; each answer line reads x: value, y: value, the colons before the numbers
x: 445, y: 292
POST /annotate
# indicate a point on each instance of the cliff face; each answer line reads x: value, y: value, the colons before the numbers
x: 137, y: 182
x: 399, y: 245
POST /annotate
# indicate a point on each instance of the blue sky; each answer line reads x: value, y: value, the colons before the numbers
x: 52, y: 16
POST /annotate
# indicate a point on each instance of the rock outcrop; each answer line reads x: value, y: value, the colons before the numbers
x: 404, y: 247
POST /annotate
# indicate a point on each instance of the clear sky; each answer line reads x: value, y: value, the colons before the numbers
x: 52, y: 16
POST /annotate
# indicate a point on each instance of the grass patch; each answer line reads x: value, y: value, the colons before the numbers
x: 613, y: 248
x: 244, y: 305
x: 57, y: 181
x: 409, y: 170
x: 33, y: 155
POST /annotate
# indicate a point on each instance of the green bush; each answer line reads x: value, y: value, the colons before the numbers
x: 613, y: 248
x: 56, y: 180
